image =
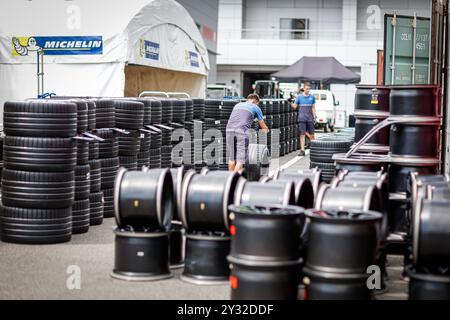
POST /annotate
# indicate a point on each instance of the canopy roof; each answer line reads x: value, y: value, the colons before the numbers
x: 324, y: 69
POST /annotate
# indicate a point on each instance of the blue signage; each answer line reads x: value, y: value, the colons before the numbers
x: 60, y: 45
x: 151, y: 50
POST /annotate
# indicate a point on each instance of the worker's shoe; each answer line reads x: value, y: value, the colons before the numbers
x: 301, y: 153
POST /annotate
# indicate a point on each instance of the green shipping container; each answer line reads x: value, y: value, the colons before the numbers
x: 406, y: 61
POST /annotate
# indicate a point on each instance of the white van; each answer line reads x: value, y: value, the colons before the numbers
x: 325, y: 109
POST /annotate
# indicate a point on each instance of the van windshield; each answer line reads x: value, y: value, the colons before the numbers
x: 321, y: 97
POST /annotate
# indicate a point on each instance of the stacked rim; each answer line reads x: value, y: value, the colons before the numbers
x: 265, y: 258
x: 418, y: 107
x: 143, y: 208
x: 372, y: 107
x: 351, y: 237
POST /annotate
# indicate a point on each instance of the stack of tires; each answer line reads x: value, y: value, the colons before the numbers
x: 225, y: 113
x: 96, y: 194
x: 166, y: 145
x: 129, y: 116
x: 166, y: 132
x: 108, y: 153
x: 198, y: 108
x: 265, y: 257
x: 150, y: 109
x: 80, y: 208
x: 322, y: 151
x: 212, y: 147
x: 155, y: 147
x: 38, y: 181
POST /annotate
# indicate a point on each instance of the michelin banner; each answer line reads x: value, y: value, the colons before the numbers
x: 65, y: 45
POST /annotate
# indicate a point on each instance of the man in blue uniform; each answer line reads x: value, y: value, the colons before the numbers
x: 238, y: 127
x: 306, y: 116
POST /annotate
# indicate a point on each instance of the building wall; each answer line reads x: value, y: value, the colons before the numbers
x: 206, y: 14
x: 370, y: 14
x: 349, y: 30
x: 324, y: 16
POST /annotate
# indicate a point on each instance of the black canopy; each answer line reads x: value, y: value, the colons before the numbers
x: 324, y: 69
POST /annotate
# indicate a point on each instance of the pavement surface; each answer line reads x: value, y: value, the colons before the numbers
x: 47, y: 271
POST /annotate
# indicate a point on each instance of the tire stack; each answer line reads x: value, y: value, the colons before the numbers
x: 166, y: 145
x: 150, y: 109
x: 130, y: 117
x: 80, y: 208
x: 267, y: 110
x: 39, y: 162
x: 96, y: 194
x: 198, y: 108
x: 155, y: 147
x: 265, y: 258
x: 108, y: 156
x: 276, y: 136
x: 226, y: 109
x: 428, y: 272
x: 322, y: 151
x: 212, y: 147
x: 351, y: 238
x: 372, y: 107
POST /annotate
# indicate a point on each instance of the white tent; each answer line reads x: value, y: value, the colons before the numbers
x: 100, y: 48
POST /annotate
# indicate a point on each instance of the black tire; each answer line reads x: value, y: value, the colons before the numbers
x: 96, y: 208
x: 143, y: 159
x: 155, y: 111
x: 104, y: 113
x: 109, y: 168
x: 109, y: 148
x: 82, y: 114
x: 82, y: 152
x: 39, y: 154
x: 93, y: 150
x: 40, y: 119
x: 166, y: 109
x: 38, y: 190
x: 35, y: 226
x: 331, y: 143
x: 178, y: 110
x: 82, y: 182
x: 145, y: 144
x: 328, y: 170
x: 91, y: 115
x: 108, y: 204
x: 35, y: 216
x: 322, y: 155
x: 80, y: 216
x: 129, y: 145
x: 95, y: 175
x: 129, y: 114
x: 128, y: 162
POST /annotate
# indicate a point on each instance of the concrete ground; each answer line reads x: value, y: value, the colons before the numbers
x: 44, y: 271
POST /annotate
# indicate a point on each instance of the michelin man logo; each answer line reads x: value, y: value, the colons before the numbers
x: 23, y: 50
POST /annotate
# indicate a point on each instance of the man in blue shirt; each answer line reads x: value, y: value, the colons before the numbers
x: 306, y: 115
x: 238, y: 127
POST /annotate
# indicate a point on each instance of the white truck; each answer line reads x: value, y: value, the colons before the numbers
x: 326, y: 105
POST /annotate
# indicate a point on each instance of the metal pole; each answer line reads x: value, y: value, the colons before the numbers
x: 446, y: 106
x: 394, y: 32
x: 413, y: 67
